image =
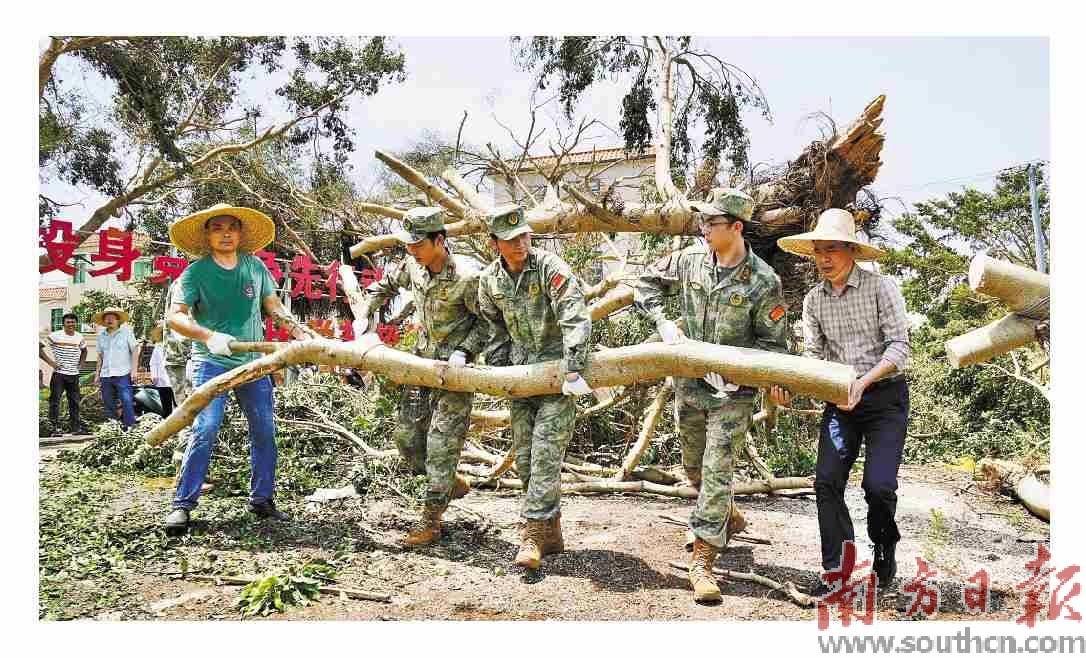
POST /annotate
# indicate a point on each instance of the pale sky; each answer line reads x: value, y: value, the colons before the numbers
x: 957, y: 109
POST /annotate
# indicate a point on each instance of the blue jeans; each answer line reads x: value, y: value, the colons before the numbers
x: 255, y: 399
x: 114, y: 388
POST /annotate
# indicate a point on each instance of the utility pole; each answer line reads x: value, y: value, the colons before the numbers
x: 1038, y: 238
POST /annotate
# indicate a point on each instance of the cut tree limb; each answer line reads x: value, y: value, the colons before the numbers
x: 1024, y: 291
x: 1025, y: 486
x: 984, y: 343
x: 613, y: 367
x: 643, y: 487
x: 416, y: 178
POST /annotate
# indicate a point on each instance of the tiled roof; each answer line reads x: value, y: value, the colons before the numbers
x: 52, y: 294
x: 585, y: 157
x: 140, y: 241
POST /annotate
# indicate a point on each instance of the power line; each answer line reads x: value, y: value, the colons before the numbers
x: 986, y: 174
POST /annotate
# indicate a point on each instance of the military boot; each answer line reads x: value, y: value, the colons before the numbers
x: 701, y: 572
x: 531, y: 547
x: 428, y: 529
x: 554, y: 543
x: 460, y: 488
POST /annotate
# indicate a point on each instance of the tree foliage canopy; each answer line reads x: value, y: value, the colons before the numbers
x: 979, y: 410
x: 711, y: 92
x: 176, y: 98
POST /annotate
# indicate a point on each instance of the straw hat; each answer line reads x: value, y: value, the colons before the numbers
x: 122, y: 315
x: 833, y: 224
x: 257, y: 229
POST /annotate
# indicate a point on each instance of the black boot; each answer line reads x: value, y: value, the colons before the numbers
x: 885, y: 566
x: 266, y: 510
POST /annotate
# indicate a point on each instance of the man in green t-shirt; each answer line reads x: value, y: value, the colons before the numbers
x: 222, y: 296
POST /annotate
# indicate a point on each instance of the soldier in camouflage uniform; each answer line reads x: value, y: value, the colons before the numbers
x: 536, y: 311
x: 433, y: 422
x: 727, y: 296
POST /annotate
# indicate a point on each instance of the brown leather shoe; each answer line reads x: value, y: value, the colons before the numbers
x: 428, y: 529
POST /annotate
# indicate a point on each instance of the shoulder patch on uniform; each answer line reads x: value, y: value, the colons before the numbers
x: 777, y: 313
x: 557, y: 280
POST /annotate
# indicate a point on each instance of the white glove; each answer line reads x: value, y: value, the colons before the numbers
x: 722, y: 386
x: 669, y: 332
x: 458, y: 358
x: 576, y: 387
x: 220, y: 344
x: 360, y: 325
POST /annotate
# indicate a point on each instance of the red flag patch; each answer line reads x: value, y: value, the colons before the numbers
x: 777, y: 313
x: 557, y: 280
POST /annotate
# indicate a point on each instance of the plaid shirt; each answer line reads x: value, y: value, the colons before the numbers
x: 863, y: 325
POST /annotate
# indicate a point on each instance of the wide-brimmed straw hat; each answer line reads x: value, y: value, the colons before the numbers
x: 833, y: 225
x: 257, y: 229
x: 122, y: 315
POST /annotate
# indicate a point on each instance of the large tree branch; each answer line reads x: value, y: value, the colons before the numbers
x: 415, y: 177
x: 58, y: 47
x: 613, y: 367
x: 114, y: 205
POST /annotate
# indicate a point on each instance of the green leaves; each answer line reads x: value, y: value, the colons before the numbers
x: 716, y: 91
x: 275, y: 591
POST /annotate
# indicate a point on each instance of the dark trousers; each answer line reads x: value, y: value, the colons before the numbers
x: 60, y: 385
x: 879, y: 420
x: 165, y: 396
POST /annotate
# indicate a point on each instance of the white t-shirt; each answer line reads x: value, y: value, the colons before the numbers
x: 159, y: 377
x: 66, y: 350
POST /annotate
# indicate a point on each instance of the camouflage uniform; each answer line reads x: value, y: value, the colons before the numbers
x: 536, y: 315
x: 742, y: 307
x: 433, y: 422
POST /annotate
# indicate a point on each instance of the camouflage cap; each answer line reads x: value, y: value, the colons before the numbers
x: 507, y: 222
x: 417, y: 222
x: 726, y: 201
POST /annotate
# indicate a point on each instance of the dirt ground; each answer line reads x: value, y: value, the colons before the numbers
x: 615, y: 566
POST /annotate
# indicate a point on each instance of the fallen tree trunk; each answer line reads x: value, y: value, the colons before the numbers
x: 1025, y: 486
x: 827, y: 174
x: 613, y: 367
